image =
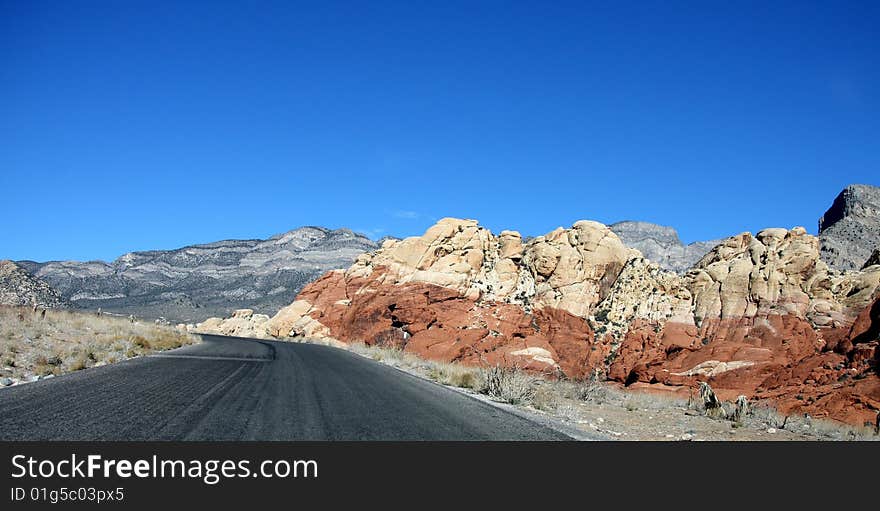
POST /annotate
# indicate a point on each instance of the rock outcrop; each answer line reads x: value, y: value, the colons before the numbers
x: 777, y: 272
x: 20, y: 288
x: 758, y: 315
x: 850, y: 230
x: 195, y: 282
x: 242, y: 323
x: 874, y: 259
x: 661, y: 244
x: 771, y: 321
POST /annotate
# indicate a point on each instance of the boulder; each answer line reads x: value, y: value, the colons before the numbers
x: 242, y: 323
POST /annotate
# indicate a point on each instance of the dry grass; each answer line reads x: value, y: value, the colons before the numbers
x: 66, y: 341
x: 455, y: 375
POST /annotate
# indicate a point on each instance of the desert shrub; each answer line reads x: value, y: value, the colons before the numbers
x: 769, y: 417
x: 79, y: 363
x: 454, y: 374
x: 593, y: 392
x: 508, y: 385
x: 163, y: 339
x: 546, y: 397
x: 140, y: 342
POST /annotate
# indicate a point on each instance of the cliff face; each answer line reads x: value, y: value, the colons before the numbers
x: 20, y: 288
x: 760, y: 315
x: 661, y: 244
x: 198, y: 281
x: 850, y: 230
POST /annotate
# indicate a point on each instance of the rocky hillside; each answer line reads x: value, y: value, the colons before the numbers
x: 850, y: 230
x: 195, y: 282
x: 760, y: 315
x: 20, y: 288
x: 874, y: 259
x: 662, y: 245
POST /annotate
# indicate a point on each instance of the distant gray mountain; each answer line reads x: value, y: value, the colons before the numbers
x: 850, y: 230
x: 196, y: 282
x: 20, y: 288
x: 661, y: 244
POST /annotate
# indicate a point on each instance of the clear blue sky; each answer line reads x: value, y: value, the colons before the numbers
x: 138, y: 125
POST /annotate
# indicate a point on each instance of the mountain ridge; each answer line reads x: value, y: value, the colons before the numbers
x: 850, y: 229
x: 193, y: 282
x: 661, y: 244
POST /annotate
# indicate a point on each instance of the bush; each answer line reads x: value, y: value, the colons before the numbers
x: 455, y: 374
x: 546, y: 398
x: 140, y: 342
x: 79, y: 364
x: 593, y: 392
x: 508, y: 385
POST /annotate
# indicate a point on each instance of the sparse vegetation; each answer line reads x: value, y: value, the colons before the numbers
x: 613, y: 411
x: 41, y: 343
x: 547, y: 398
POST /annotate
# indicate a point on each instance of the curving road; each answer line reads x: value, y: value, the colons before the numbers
x: 243, y: 389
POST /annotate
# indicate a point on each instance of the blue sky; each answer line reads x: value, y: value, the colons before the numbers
x: 138, y: 125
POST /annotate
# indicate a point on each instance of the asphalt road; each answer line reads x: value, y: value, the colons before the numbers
x: 242, y: 389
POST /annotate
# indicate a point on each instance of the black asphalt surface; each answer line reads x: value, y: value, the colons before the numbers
x: 242, y: 389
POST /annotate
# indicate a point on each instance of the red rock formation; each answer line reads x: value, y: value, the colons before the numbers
x: 440, y: 324
x: 776, y: 357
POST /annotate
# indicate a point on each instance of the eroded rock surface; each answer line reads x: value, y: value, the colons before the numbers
x: 850, y: 229
x: 662, y: 245
x: 19, y: 288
